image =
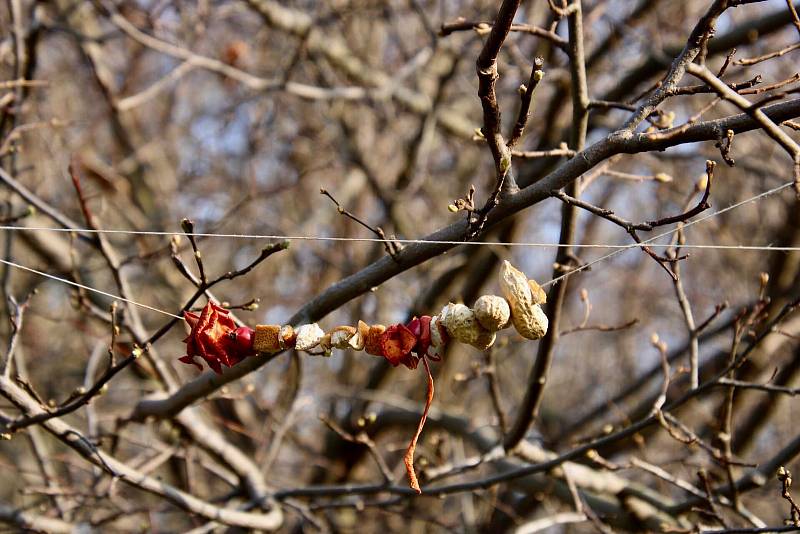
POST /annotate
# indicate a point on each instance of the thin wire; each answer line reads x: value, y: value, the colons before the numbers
x: 403, y: 241
x: 670, y: 232
x: 619, y: 248
x: 87, y: 288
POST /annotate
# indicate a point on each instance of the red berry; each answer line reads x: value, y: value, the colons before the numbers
x: 243, y: 339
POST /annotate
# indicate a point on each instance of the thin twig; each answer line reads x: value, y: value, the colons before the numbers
x: 527, y: 98
x: 392, y: 247
x: 528, y: 410
x: 486, y: 67
x: 771, y: 129
x: 449, y: 28
x: 361, y: 439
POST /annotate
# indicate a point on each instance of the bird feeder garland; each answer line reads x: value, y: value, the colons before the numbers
x: 216, y: 339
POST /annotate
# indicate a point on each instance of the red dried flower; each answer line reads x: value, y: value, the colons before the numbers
x: 396, y: 345
x: 216, y: 339
x: 421, y: 328
x: 406, y: 344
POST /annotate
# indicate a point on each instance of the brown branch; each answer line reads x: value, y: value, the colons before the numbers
x: 739, y: 87
x: 765, y: 57
x: 486, y: 67
x: 495, y: 392
x: 688, y: 316
x: 769, y: 388
x: 528, y: 410
x: 785, y: 478
x: 71, y: 406
x: 600, y: 327
x: 632, y: 228
x: 16, y: 314
x: 696, y: 42
x: 658, y: 177
x: 769, y: 87
x: 793, y: 12
x: 605, y: 104
x: 713, y: 511
x: 361, y: 439
x: 754, y: 530
x: 11, y: 219
x: 769, y: 127
x: 187, y: 225
x: 552, y: 153
x: 392, y: 247
x: 121, y: 471
x: 202, y: 289
x: 27, y: 521
x: 378, y: 272
x: 112, y: 370
x: 527, y: 97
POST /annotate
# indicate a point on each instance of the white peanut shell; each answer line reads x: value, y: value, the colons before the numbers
x: 492, y: 312
x: 438, y: 341
x: 523, y: 298
x: 462, y: 325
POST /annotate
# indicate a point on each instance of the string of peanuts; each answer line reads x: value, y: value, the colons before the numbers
x: 476, y: 326
x: 215, y: 338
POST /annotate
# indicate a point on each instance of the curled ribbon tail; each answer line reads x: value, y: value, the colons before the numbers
x: 408, y: 459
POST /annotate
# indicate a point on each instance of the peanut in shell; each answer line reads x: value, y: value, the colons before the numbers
x: 492, y: 312
x: 462, y: 325
x: 526, y: 314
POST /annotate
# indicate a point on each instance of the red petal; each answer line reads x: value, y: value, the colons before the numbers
x: 212, y: 338
x: 190, y: 361
x: 425, y: 331
x: 396, y: 343
x: 414, y: 326
x: 214, y: 364
x: 408, y: 459
x: 190, y: 318
x: 424, y: 335
x: 223, y: 317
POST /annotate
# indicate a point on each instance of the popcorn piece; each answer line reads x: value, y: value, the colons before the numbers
x: 309, y: 336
